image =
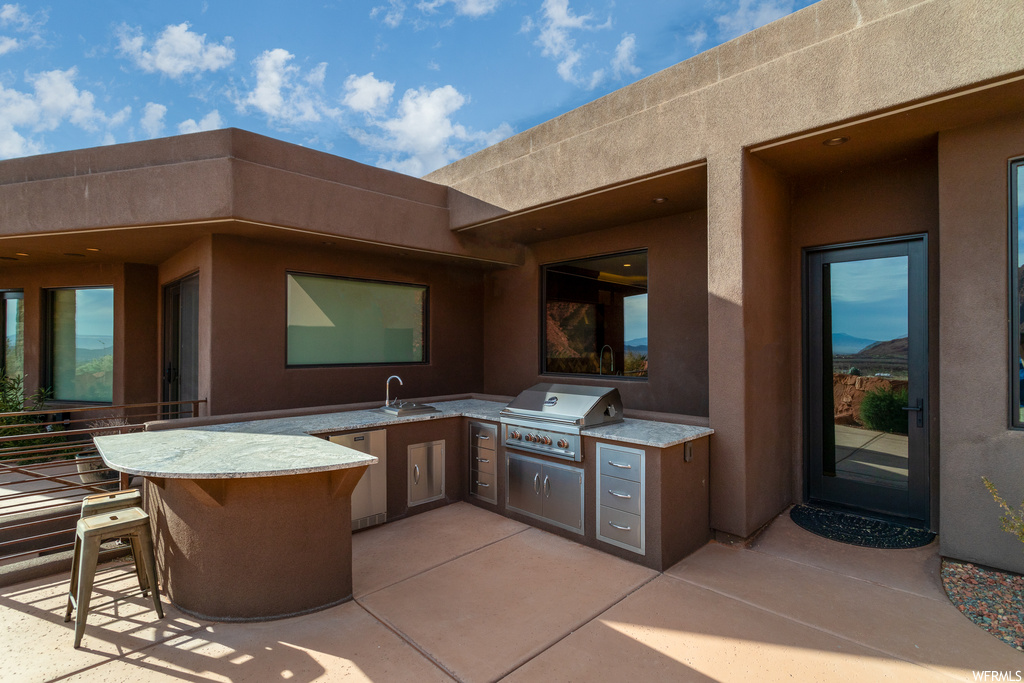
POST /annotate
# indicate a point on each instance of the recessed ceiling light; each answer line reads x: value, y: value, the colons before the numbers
x: 20, y: 253
x: 833, y: 142
x: 627, y: 265
x: 539, y: 229
x: 660, y: 200
x: 91, y: 249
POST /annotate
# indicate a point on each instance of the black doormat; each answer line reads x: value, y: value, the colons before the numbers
x: 847, y: 527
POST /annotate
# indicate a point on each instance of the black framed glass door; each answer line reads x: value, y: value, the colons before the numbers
x: 181, y: 342
x: 866, y: 379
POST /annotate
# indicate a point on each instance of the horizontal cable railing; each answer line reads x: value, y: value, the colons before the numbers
x: 49, y: 462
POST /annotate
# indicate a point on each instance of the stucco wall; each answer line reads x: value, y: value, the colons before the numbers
x: 677, y: 314
x: 248, y: 329
x: 975, y: 343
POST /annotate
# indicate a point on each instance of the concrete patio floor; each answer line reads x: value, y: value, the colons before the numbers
x: 462, y: 594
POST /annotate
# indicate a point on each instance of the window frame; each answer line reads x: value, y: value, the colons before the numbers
x: 425, y: 315
x: 48, y: 346
x: 1015, y: 168
x: 5, y: 296
x: 542, y: 316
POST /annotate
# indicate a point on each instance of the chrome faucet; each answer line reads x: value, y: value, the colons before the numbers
x: 600, y: 365
x: 387, y: 389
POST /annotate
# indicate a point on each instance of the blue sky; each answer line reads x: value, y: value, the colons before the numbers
x: 870, y: 298
x: 408, y: 85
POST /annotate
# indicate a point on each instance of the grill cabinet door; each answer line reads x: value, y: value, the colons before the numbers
x: 525, y: 485
x: 562, y: 489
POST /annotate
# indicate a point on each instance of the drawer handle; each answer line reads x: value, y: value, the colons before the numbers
x: 620, y: 465
x: 620, y: 528
x: 483, y: 437
x: 619, y: 495
x: 479, y: 459
x: 486, y: 486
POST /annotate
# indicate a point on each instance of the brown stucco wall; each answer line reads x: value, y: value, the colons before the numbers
x: 677, y: 315
x: 134, y: 319
x: 975, y: 343
x: 248, y: 329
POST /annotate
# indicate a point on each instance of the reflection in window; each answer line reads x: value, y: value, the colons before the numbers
x: 595, y: 313
x: 82, y: 344
x: 1017, y: 278
x: 13, y: 313
x: 338, y: 321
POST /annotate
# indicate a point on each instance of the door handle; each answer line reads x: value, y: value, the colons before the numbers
x: 536, y: 484
x: 919, y: 409
x: 547, y: 487
x: 415, y: 474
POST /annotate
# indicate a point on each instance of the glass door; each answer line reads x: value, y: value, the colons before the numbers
x: 181, y: 343
x: 867, y: 377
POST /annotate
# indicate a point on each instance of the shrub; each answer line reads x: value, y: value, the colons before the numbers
x: 882, y: 410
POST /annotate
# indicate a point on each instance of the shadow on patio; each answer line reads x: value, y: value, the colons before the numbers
x: 462, y: 593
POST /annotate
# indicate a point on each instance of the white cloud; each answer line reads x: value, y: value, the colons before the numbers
x: 366, y: 94
x: 556, y: 27
x: 393, y: 12
x: 14, y: 18
x: 153, y: 119
x: 53, y: 101
x: 751, y: 14
x: 284, y: 93
x: 422, y: 137
x: 211, y: 121
x: 624, y: 61
x: 697, y: 38
x: 469, y: 8
x: 176, y: 52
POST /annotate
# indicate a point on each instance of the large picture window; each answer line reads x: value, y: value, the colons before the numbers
x: 81, y: 340
x: 1017, y: 291
x: 340, y: 321
x: 595, y: 316
x: 13, y: 312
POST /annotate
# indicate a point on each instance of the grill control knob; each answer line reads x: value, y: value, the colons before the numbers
x: 531, y: 437
x: 562, y: 443
x: 514, y: 435
x: 546, y: 440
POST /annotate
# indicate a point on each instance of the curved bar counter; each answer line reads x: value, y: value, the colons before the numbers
x: 249, y: 524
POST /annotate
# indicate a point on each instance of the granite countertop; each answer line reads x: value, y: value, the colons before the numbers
x: 295, y: 445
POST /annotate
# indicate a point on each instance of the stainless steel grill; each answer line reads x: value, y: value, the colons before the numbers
x: 548, y: 418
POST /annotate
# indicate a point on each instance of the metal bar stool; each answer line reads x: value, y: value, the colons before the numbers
x: 92, y: 531
x: 106, y: 502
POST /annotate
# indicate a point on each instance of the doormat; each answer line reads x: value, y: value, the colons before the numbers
x: 847, y: 527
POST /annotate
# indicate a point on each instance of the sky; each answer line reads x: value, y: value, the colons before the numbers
x: 408, y: 85
x: 870, y: 298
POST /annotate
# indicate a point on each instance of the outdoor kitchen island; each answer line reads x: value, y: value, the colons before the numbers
x: 250, y: 524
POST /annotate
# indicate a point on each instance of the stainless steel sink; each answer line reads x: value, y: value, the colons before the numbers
x: 402, y: 408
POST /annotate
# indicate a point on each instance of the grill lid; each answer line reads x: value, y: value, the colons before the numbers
x: 582, y: 406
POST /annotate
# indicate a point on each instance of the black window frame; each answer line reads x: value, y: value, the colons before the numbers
x: 426, y: 323
x: 542, y: 317
x: 1015, y: 169
x: 46, y: 371
x: 5, y: 296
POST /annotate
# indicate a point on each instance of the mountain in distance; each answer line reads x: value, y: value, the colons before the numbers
x: 639, y: 345
x: 847, y: 344
x: 898, y: 348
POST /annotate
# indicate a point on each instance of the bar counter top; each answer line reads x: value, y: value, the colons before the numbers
x: 295, y: 445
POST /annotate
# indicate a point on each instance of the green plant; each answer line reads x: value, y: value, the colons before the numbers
x: 12, y: 400
x: 882, y: 410
x: 1013, y: 520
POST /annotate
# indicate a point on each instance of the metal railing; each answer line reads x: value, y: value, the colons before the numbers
x: 49, y: 462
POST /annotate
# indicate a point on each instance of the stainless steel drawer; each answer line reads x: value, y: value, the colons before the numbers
x: 621, y: 463
x: 483, y: 460
x: 620, y: 526
x: 483, y: 485
x: 483, y: 436
x: 620, y: 494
